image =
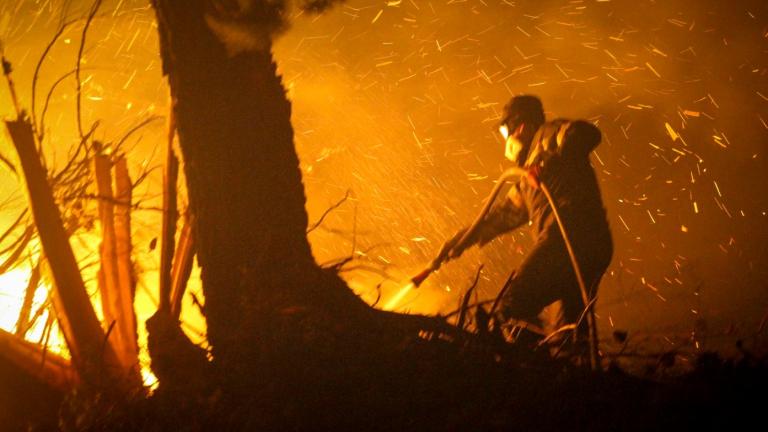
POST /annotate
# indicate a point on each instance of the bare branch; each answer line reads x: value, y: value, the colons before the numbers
x: 378, y: 295
x: 7, y: 162
x: 13, y: 226
x: 470, y: 306
x: 41, y: 127
x: 91, y: 14
x: 465, y: 301
x: 18, y: 248
x: 327, y: 211
x: 36, y: 75
x: 133, y: 130
x: 368, y: 268
x: 83, y: 145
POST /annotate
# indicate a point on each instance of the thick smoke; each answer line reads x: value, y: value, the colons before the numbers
x: 244, y: 25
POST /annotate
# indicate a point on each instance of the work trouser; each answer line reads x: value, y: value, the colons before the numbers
x: 544, y: 290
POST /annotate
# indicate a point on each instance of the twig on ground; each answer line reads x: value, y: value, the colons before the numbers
x: 465, y: 301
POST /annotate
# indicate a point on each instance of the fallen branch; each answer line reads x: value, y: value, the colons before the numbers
x: 51, y: 369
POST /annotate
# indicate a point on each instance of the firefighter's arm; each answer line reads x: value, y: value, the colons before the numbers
x: 505, y: 216
x: 508, y: 215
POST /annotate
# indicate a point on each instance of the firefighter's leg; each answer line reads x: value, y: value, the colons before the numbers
x: 527, y: 292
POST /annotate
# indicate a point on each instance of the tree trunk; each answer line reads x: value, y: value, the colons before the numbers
x: 244, y: 182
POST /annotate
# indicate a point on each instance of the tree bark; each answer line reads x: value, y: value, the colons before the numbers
x: 244, y: 182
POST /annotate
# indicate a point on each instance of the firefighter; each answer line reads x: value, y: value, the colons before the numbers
x: 543, y: 292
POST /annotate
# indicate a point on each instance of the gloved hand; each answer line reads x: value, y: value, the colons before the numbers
x: 449, y: 250
x: 534, y: 176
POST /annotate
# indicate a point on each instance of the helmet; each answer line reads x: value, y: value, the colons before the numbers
x: 523, y: 109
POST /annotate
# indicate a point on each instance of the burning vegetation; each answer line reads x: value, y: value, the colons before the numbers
x: 212, y: 211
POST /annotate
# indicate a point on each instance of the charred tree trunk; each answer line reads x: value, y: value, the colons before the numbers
x: 245, y: 190
x: 244, y: 182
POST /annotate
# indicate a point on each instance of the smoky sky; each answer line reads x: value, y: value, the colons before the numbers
x: 677, y: 88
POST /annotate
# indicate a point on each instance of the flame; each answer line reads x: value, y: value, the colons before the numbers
x: 13, y: 286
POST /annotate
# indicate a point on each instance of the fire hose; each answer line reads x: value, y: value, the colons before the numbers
x: 506, y: 176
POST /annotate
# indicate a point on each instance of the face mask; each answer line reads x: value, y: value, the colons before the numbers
x: 513, y: 146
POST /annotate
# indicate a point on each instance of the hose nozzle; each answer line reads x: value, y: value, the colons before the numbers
x: 421, y: 276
